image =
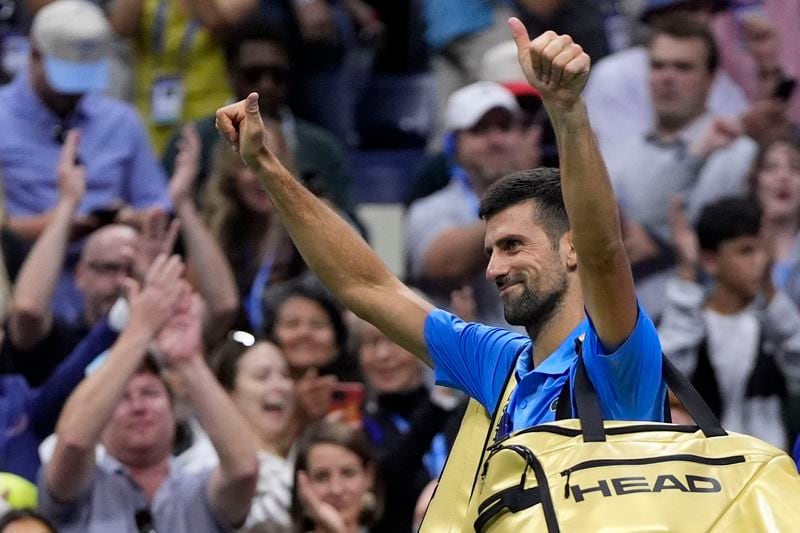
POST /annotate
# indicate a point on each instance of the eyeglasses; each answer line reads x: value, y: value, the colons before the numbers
x: 106, y: 268
x: 144, y: 521
x: 278, y: 74
x: 245, y: 338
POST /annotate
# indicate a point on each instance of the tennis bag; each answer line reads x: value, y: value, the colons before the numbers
x: 591, y: 475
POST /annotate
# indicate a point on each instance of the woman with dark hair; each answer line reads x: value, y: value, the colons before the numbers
x: 256, y: 376
x: 240, y: 215
x: 335, y: 481
x: 775, y: 185
x: 306, y: 322
x: 25, y: 521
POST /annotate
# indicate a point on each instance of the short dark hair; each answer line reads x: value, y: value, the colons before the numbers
x: 255, y: 29
x: 310, y: 289
x: 25, y: 514
x: 540, y: 185
x: 224, y: 360
x: 727, y: 219
x: 353, y: 440
x: 681, y: 26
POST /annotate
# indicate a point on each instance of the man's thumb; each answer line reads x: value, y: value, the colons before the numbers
x: 251, y: 106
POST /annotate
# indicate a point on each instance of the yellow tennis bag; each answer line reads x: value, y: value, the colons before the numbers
x: 592, y: 475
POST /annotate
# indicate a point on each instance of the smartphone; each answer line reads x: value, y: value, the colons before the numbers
x: 785, y: 89
x: 348, y: 397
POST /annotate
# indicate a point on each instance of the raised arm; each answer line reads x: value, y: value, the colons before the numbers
x: 331, y: 248
x: 31, y: 318
x: 233, y: 483
x: 558, y: 68
x: 89, y: 409
x: 210, y: 269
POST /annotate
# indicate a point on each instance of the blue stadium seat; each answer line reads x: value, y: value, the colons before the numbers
x: 384, y: 176
x: 397, y: 111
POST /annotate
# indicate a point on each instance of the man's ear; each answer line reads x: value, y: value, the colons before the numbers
x: 567, y: 250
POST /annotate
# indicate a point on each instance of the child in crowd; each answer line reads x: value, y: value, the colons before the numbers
x: 740, y: 342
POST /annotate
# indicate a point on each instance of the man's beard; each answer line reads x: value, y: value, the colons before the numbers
x: 533, y: 310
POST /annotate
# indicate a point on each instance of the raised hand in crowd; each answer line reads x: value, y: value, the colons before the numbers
x: 324, y: 515
x: 720, y: 133
x: 316, y: 22
x: 187, y: 166
x: 208, y: 266
x: 684, y: 241
x: 156, y: 237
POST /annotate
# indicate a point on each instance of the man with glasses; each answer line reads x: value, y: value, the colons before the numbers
x: 486, y: 139
x: 126, y: 405
x: 258, y: 59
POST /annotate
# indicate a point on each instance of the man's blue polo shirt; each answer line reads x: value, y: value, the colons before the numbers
x: 476, y: 359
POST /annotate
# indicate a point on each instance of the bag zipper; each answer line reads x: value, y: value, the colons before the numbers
x: 685, y: 457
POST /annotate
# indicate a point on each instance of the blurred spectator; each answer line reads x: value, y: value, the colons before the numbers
x: 756, y: 49
x: 256, y: 377
x: 458, y: 33
x: 404, y: 423
x: 580, y: 19
x: 689, y: 152
x: 258, y: 248
x: 739, y: 352
x: 258, y: 60
x: 617, y: 94
x: 25, y: 521
x: 55, y: 93
x: 179, y: 63
x: 120, y: 60
x: 126, y: 404
x: 775, y: 186
x: 38, y: 338
x: 29, y: 414
x: 499, y: 65
x: 307, y: 324
x: 486, y: 140
x: 211, y: 272
x: 335, y: 481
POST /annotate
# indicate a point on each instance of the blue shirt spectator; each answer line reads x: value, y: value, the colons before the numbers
x: 120, y: 165
x: 28, y: 415
x: 477, y: 359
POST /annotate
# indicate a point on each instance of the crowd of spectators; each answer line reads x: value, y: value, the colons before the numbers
x: 169, y: 363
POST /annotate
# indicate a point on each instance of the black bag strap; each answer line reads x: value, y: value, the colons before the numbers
x: 591, y: 416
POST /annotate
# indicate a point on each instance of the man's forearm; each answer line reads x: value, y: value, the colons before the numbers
x: 233, y: 483
x: 213, y: 274
x: 338, y: 255
x: 37, y: 279
x: 588, y: 195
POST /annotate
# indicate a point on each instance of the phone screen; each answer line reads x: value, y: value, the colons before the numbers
x: 348, y: 397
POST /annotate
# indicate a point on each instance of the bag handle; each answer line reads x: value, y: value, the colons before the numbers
x: 591, y: 416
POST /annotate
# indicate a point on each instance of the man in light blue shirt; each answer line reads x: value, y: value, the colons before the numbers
x: 555, y: 254
x: 60, y: 90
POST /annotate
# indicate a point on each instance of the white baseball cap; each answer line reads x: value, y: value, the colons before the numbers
x: 468, y: 105
x: 74, y: 39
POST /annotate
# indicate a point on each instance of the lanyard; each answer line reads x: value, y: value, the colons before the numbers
x: 253, y: 304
